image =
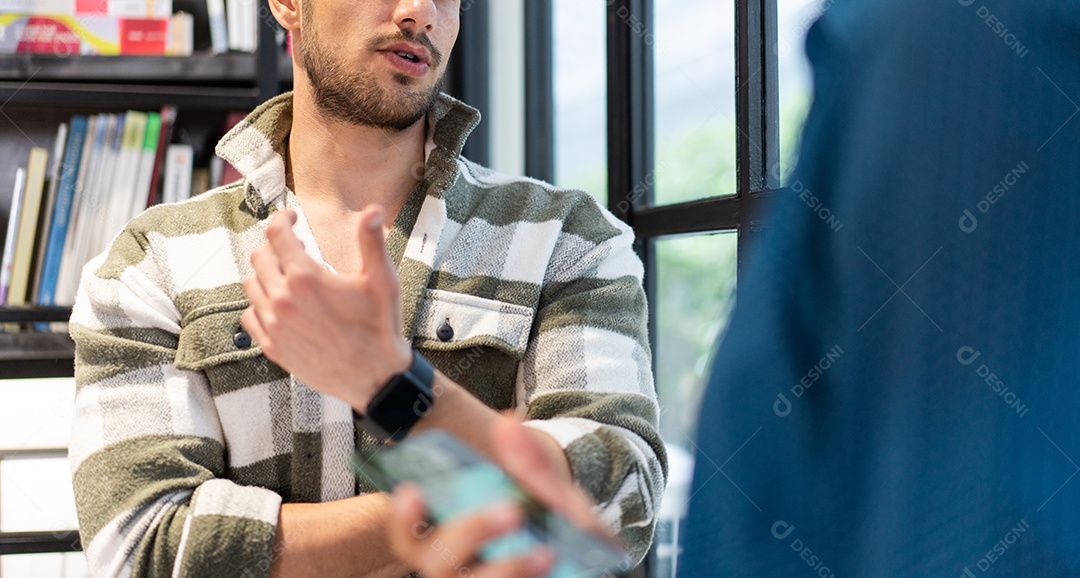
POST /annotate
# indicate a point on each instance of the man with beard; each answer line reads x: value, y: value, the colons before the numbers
x: 234, y: 349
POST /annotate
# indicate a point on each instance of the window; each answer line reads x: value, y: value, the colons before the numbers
x: 580, y: 96
x: 704, y: 105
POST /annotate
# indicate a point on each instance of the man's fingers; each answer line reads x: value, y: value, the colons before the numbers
x: 454, y: 544
x: 375, y: 263
x: 249, y: 319
x: 287, y: 247
x: 520, y: 452
x: 533, y: 565
x: 267, y: 267
x: 411, y: 530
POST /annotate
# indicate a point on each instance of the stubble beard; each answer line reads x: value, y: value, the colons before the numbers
x: 356, y: 96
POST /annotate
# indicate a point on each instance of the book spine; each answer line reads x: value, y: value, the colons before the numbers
x: 168, y: 121
x: 62, y: 212
x: 178, y: 173
x: 7, y: 264
x: 68, y: 279
x: 48, y: 207
x: 104, y: 187
x: 146, y: 165
x: 122, y: 193
x: 28, y: 221
x: 219, y: 31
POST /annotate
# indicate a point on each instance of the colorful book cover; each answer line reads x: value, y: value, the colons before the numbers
x: 62, y: 211
x: 115, y: 8
x: 82, y: 34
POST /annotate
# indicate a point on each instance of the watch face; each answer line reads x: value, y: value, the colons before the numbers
x: 399, y: 405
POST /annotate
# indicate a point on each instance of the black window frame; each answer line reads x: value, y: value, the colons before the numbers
x: 630, y: 121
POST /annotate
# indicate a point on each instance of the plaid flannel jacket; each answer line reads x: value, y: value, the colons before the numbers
x: 186, y: 440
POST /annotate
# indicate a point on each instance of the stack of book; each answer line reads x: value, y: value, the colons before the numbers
x: 67, y: 206
x: 125, y: 27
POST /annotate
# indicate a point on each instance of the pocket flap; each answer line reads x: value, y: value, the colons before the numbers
x: 473, y: 321
x: 212, y: 335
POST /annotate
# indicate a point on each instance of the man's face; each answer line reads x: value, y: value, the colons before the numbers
x: 377, y: 62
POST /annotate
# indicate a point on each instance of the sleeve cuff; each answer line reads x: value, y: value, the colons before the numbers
x: 230, y: 531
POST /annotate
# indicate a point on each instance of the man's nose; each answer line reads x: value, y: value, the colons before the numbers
x: 418, y: 15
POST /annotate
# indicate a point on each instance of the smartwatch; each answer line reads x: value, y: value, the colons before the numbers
x: 402, y: 402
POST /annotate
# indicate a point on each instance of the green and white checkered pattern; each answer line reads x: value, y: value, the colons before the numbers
x: 185, y: 445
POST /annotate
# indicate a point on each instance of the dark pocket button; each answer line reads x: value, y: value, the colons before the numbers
x: 445, y: 332
x: 242, y: 340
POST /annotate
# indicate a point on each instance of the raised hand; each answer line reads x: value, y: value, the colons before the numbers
x: 340, y: 334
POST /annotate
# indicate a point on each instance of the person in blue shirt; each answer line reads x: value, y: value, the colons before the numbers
x: 899, y: 395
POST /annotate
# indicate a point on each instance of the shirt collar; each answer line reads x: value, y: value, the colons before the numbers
x: 256, y: 146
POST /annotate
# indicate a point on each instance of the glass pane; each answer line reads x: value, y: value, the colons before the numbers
x: 70, y: 565
x: 695, y: 100
x: 695, y: 291
x: 36, y: 495
x: 580, y: 86
x: 794, y: 19
x: 35, y: 413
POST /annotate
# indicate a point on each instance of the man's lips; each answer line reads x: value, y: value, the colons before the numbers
x: 410, y: 52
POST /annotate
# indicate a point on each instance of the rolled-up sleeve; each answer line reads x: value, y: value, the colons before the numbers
x: 147, y: 451
x: 586, y: 379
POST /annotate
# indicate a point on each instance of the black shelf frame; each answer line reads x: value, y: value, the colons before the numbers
x: 35, y: 354
x: 34, y: 314
x: 39, y: 542
x: 112, y: 96
x: 195, y: 69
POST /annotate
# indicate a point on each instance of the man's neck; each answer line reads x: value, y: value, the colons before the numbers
x: 344, y: 168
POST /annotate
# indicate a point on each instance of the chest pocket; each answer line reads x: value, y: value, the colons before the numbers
x: 213, y: 341
x: 455, y: 321
x: 476, y: 342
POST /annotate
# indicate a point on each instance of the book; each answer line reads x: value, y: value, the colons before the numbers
x: 178, y: 163
x: 98, y: 218
x: 121, y: 195
x: 62, y: 35
x: 7, y: 264
x: 48, y: 203
x: 68, y: 276
x: 242, y: 25
x: 58, y: 231
x: 168, y: 122
x: 219, y: 32
x: 28, y: 221
x: 181, y: 35
x: 216, y: 171
x: 84, y: 244
x: 200, y: 181
x: 229, y: 173
x: 117, y: 8
x: 146, y: 165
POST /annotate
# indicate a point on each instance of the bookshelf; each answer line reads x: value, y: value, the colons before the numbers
x: 38, y: 92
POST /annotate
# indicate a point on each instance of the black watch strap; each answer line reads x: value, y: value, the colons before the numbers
x: 402, y: 402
